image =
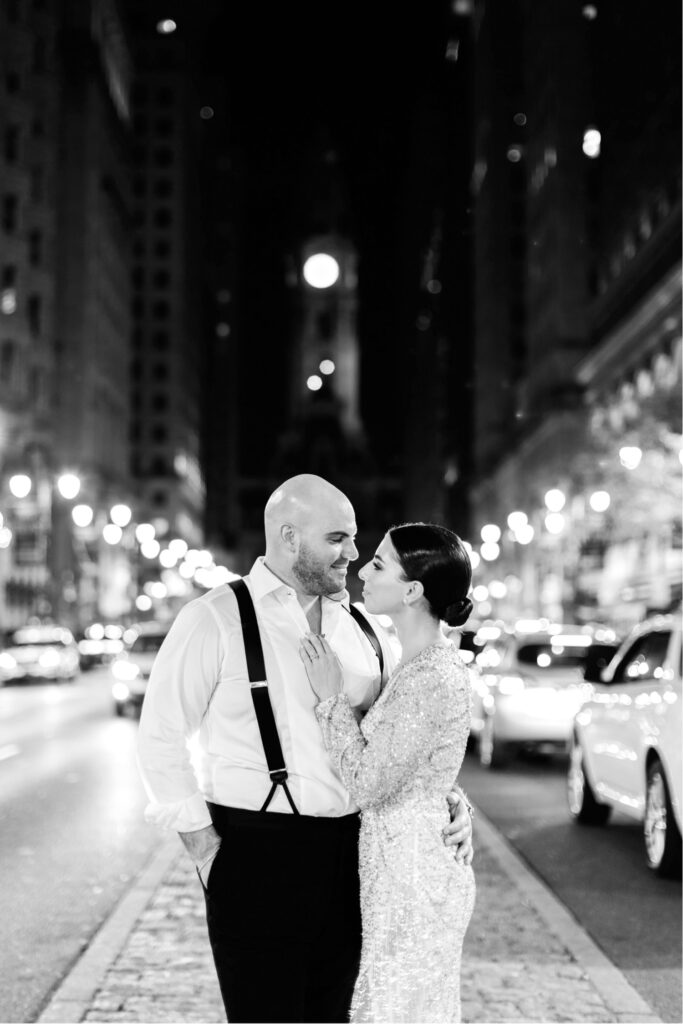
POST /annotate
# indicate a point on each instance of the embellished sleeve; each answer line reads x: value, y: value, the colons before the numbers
x: 411, y: 727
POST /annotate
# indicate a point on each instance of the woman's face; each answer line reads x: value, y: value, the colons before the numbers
x: 385, y: 584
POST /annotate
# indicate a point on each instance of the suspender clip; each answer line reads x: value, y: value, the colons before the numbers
x: 279, y: 775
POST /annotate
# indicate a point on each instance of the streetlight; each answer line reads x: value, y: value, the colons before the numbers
x: 599, y: 501
x: 554, y: 500
x: 321, y: 270
x: 144, y: 533
x: 554, y: 522
x: 20, y: 485
x: 112, y: 533
x: 68, y: 485
x: 82, y: 515
x: 120, y: 515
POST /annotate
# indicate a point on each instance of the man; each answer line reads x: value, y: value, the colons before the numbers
x: 281, y: 882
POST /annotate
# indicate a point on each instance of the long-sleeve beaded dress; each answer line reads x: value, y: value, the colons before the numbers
x: 416, y: 901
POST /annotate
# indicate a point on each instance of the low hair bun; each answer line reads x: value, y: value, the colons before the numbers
x: 458, y: 613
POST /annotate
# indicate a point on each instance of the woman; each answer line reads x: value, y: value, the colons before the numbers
x: 399, y: 763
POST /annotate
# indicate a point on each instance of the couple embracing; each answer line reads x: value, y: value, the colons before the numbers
x: 322, y: 813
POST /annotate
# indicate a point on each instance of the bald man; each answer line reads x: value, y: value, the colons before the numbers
x: 280, y: 877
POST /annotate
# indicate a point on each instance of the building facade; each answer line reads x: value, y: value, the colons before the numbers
x: 566, y: 464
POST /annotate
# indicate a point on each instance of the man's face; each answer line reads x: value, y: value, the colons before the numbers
x: 325, y: 549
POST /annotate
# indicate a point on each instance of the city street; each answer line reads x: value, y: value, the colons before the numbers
x: 598, y: 873
x: 72, y: 836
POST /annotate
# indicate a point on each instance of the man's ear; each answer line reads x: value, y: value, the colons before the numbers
x: 289, y: 537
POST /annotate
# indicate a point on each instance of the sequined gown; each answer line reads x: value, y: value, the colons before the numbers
x: 416, y: 901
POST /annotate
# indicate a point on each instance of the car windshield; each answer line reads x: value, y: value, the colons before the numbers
x: 149, y: 644
x: 548, y: 655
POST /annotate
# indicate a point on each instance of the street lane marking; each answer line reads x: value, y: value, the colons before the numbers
x: 11, y: 750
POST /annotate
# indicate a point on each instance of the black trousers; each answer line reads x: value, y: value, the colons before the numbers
x: 283, y: 912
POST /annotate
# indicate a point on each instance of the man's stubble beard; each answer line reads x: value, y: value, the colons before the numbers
x: 313, y: 576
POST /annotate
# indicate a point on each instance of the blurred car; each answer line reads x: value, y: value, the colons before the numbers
x: 39, y: 652
x: 99, y: 644
x: 626, y: 742
x: 531, y: 685
x: 132, y: 666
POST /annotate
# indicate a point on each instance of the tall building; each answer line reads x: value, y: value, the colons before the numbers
x: 168, y: 290
x: 92, y: 329
x: 29, y: 130
x: 64, y: 320
x: 596, y: 282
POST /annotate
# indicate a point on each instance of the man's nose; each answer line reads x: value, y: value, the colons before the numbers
x: 350, y: 550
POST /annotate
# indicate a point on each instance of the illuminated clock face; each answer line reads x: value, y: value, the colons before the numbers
x: 321, y: 270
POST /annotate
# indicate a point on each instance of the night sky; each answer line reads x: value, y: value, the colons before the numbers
x: 367, y: 87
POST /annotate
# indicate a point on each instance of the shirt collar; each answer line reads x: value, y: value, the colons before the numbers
x: 264, y: 581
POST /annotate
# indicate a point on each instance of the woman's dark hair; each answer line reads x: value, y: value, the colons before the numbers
x: 438, y: 559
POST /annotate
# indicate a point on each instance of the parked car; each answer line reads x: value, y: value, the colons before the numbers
x: 530, y: 687
x: 626, y: 742
x: 131, y: 668
x: 39, y: 652
x: 98, y: 644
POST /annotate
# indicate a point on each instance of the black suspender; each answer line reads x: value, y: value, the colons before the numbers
x: 370, y: 634
x: 256, y: 670
x: 259, y: 693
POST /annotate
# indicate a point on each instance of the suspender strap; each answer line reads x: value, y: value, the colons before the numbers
x: 259, y: 692
x: 370, y: 634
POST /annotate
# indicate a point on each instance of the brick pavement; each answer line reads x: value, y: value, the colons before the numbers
x: 525, y: 958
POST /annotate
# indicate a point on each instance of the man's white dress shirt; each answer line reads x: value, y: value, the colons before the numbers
x: 199, y: 687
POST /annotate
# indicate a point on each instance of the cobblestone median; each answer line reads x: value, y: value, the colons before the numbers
x: 514, y: 968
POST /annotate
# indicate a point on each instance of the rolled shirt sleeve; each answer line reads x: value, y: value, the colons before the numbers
x: 181, y: 685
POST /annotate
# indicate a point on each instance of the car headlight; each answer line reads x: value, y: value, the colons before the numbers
x: 124, y: 670
x: 120, y: 691
x: 49, y: 658
x: 510, y: 684
x: 7, y: 662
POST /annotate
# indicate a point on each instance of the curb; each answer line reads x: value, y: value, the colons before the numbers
x: 616, y: 992
x: 75, y: 994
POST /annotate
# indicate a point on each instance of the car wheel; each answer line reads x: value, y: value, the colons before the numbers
x: 583, y: 806
x: 493, y: 752
x: 660, y: 831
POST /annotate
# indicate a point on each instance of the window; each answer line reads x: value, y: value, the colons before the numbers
x: 37, y: 184
x: 12, y: 82
x: 160, y: 310
x: 39, y: 55
x: 163, y: 188
x: 34, y: 311
x: 161, y: 249
x: 160, y: 435
x: 160, y: 371
x: 160, y: 402
x: 160, y: 341
x: 161, y: 279
x: 11, y: 147
x: 163, y: 156
x: 162, y: 217
x: 35, y: 248
x: 7, y: 361
x: 9, y: 275
x: 10, y: 213
x: 159, y: 498
x: 644, y: 659
x: 159, y: 467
